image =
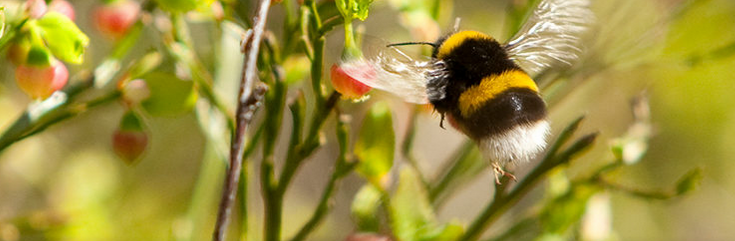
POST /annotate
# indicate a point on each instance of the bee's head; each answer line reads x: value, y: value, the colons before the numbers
x: 444, y: 46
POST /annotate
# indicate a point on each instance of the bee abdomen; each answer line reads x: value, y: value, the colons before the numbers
x: 511, y: 108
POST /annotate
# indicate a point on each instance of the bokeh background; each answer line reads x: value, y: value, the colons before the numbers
x: 66, y: 184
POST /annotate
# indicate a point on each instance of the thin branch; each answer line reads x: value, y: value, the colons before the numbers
x: 249, y: 100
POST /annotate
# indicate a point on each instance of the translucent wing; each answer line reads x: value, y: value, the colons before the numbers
x: 551, y: 35
x: 393, y: 71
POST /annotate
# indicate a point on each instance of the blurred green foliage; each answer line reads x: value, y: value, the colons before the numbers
x: 65, y: 184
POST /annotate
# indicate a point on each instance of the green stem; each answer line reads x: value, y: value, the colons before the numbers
x: 273, y: 198
x: 197, y: 71
x: 521, y: 226
x: 464, y: 166
x: 341, y: 169
x: 502, y: 203
x: 317, y: 65
x: 205, y: 191
x: 308, y: 146
x: 27, y: 125
x: 407, y: 146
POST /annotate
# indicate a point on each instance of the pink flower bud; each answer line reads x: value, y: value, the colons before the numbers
x: 114, y: 19
x: 63, y: 7
x: 348, y: 86
x: 40, y: 82
x: 36, y: 8
x: 135, y: 91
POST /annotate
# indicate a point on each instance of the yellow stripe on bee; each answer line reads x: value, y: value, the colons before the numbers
x: 457, y: 39
x: 474, y: 97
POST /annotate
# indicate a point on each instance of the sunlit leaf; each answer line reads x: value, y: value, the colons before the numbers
x: 297, y: 68
x: 182, y: 5
x: 451, y: 231
x: 2, y: 21
x: 63, y: 37
x: 376, y: 143
x: 169, y: 94
x: 145, y: 64
x: 351, y: 9
x: 562, y: 212
x: 365, y: 208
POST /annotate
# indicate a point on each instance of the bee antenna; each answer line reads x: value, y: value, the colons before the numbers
x: 411, y: 43
x: 456, y: 24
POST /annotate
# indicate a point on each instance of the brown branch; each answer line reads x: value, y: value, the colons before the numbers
x: 249, y: 99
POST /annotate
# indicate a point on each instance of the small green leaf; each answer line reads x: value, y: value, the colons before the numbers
x: 365, y: 208
x: 38, y: 55
x: 361, y: 9
x: 181, y: 5
x: 169, y: 94
x: 376, y: 143
x: 63, y: 37
x: 689, y: 181
x: 2, y: 22
x: 351, y: 9
x: 145, y: 64
x: 451, y: 231
x: 413, y: 216
x: 131, y: 122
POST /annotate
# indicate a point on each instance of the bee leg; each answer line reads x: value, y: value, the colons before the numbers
x: 498, y: 171
x: 441, y: 122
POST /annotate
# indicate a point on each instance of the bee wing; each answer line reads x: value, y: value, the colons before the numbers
x: 393, y: 71
x: 551, y: 35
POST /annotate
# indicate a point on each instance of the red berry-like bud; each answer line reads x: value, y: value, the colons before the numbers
x: 63, y: 7
x: 40, y: 82
x: 129, y: 145
x: 130, y: 140
x: 348, y: 86
x: 367, y: 237
x: 114, y: 19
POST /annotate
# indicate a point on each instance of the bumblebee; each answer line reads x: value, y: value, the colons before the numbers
x: 483, y: 87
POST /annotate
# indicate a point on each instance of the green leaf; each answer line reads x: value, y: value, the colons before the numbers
x: 63, y: 37
x: 2, y: 22
x: 361, y: 9
x: 131, y: 122
x: 376, y: 143
x: 413, y: 216
x: 365, y: 208
x: 38, y: 55
x: 145, y: 64
x: 562, y: 212
x: 689, y: 181
x: 297, y: 68
x: 169, y: 94
x: 451, y: 231
x: 351, y: 9
x: 181, y: 5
